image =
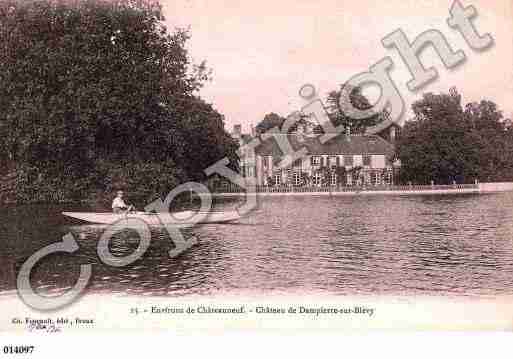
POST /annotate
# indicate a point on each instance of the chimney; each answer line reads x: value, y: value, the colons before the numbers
x: 237, y: 131
x: 392, y: 133
x: 253, y: 131
x: 300, y: 133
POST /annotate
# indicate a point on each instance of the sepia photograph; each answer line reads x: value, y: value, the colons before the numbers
x: 214, y: 166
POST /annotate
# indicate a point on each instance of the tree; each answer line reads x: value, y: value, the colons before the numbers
x: 271, y: 120
x: 445, y: 143
x: 359, y: 101
x: 89, y: 85
x: 335, y: 114
x: 206, y: 139
x: 494, y: 141
x: 291, y: 124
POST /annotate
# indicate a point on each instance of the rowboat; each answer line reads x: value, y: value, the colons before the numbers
x: 179, y: 218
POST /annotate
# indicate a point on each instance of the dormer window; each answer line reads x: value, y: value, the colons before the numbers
x: 367, y: 161
x: 348, y: 161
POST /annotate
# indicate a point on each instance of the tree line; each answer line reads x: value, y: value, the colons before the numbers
x: 99, y: 95
x: 444, y: 142
x: 335, y: 113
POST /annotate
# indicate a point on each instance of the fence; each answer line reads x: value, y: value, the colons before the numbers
x: 340, y: 189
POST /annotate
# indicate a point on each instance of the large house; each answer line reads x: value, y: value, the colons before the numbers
x: 343, y: 161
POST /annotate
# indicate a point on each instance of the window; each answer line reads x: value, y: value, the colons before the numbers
x: 316, y: 160
x: 349, y: 179
x: 277, y: 179
x: 367, y: 161
x: 332, y: 161
x: 366, y: 178
x: 244, y: 151
x: 389, y: 178
x: 333, y: 179
x: 375, y: 178
x: 297, y: 179
x: 317, y: 179
x: 348, y: 161
x: 357, y: 178
x: 297, y: 163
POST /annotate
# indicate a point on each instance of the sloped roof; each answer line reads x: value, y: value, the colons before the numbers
x: 380, y: 127
x: 342, y: 144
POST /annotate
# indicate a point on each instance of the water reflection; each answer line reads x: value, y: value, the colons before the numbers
x: 362, y: 245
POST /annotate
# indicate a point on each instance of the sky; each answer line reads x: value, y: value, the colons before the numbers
x: 263, y: 52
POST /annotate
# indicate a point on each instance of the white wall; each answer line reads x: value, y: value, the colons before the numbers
x: 357, y: 160
x: 378, y: 161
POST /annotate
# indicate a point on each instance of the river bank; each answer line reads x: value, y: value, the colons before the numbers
x: 480, y: 188
x: 192, y: 200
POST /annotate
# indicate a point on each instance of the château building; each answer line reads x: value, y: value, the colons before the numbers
x: 355, y: 160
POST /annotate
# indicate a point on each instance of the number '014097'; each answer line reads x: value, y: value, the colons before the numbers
x: 18, y: 349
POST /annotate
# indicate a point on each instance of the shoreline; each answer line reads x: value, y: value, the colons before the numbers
x: 351, y: 193
x: 481, y: 188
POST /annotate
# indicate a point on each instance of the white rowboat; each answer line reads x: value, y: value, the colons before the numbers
x: 155, y: 219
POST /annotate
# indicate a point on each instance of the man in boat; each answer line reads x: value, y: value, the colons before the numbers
x: 119, y: 205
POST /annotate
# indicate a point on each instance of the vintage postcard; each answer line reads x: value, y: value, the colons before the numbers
x: 210, y: 166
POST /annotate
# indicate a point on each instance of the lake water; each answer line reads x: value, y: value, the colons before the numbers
x: 425, y: 245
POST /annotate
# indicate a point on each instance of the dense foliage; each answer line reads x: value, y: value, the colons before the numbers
x: 98, y: 95
x: 358, y: 101
x: 271, y: 120
x: 335, y: 114
x: 446, y: 143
